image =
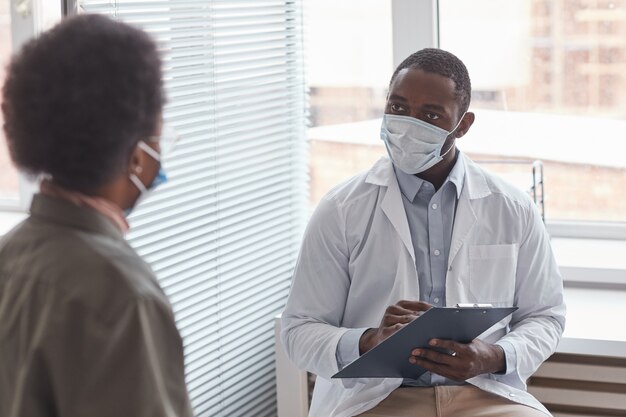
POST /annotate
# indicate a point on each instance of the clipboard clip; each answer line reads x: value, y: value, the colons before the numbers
x: 473, y: 305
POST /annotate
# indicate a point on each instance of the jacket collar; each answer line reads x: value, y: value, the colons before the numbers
x: 67, y: 214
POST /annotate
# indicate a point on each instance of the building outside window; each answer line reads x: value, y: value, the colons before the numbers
x: 548, y: 80
x: 348, y: 61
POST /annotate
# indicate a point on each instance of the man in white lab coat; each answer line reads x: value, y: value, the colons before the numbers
x: 424, y: 227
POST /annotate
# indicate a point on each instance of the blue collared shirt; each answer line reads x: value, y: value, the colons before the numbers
x: 430, y: 214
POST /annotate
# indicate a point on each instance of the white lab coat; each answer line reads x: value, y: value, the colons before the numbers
x: 357, y: 258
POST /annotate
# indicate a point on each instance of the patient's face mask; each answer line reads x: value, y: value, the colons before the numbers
x: 167, y: 142
x: 412, y: 144
x: 160, y: 178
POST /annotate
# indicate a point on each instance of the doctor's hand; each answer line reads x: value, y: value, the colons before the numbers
x: 463, y: 360
x: 396, y: 317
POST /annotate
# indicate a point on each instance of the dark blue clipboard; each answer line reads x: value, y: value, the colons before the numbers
x: 390, y: 359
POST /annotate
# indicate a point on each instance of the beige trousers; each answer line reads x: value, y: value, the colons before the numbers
x: 448, y: 401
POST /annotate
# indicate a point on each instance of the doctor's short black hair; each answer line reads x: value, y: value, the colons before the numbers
x: 438, y: 61
x: 78, y: 98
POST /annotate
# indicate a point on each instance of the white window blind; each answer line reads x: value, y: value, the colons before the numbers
x: 222, y: 235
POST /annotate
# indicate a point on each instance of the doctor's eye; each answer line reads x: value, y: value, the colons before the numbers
x: 396, y: 108
x: 432, y: 116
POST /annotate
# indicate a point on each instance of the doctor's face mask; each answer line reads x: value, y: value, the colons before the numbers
x: 167, y: 142
x: 412, y: 144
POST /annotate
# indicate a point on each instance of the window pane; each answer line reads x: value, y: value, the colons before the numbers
x: 548, y: 84
x: 349, y: 62
x: 349, y: 59
x: 9, y: 189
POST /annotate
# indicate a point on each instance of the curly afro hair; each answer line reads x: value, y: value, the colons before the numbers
x: 78, y: 98
x: 438, y: 61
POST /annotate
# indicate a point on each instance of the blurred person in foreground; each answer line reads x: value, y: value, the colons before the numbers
x: 85, y: 329
x: 425, y: 227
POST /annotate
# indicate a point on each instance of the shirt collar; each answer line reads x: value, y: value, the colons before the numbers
x: 411, y: 184
x: 65, y: 213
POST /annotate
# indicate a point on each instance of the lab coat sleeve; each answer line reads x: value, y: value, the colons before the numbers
x: 537, y: 326
x: 129, y: 366
x: 311, y: 320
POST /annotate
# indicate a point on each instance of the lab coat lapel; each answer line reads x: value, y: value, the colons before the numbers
x: 474, y: 187
x: 394, y: 210
x: 464, y: 222
x: 382, y: 174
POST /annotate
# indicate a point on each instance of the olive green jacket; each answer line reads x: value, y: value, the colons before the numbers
x: 85, y: 329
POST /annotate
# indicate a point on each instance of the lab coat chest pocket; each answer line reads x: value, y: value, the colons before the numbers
x: 492, y: 273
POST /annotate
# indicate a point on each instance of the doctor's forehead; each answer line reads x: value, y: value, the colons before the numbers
x: 414, y: 84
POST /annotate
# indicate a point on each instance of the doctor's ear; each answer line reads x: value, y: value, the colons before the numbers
x: 466, y: 123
